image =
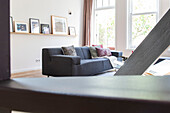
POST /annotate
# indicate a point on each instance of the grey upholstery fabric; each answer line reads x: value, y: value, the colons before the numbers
x: 70, y: 59
x: 54, y: 63
x: 79, y: 52
x: 86, y: 52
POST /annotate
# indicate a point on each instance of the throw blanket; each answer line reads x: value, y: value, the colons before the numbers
x: 112, y: 60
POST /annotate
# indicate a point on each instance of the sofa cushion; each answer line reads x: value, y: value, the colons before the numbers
x: 103, y: 52
x: 79, y: 52
x: 93, y: 60
x: 92, y: 66
x: 70, y: 50
x: 86, y: 52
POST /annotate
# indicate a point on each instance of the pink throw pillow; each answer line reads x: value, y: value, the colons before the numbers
x: 101, y: 46
x: 103, y: 52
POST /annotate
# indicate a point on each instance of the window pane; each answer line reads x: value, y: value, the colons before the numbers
x: 141, y: 6
x: 99, y: 3
x: 141, y: 26
x: 105, y: 3
x: 112, y: 2
x: 105, y: 27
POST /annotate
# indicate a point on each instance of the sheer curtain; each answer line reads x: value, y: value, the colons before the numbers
x: 87, y: 22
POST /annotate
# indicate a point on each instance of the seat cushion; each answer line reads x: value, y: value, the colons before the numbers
x: 93, y: 60
x: 92, y: 66
x: 106, y: 63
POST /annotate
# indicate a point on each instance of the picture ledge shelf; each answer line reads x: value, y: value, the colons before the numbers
x: 41, y: 34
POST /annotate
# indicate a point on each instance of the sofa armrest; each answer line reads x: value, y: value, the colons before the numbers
x: 117, y: 53
x: 67, y: 59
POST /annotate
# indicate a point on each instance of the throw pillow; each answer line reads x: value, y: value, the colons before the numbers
x: 69, y: 51
x: 93, y: 52
x: 103, y: 52
x: 98, y: 46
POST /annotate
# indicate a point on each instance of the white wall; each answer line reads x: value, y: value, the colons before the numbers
x: 121, y: 24
x: 26, y: 49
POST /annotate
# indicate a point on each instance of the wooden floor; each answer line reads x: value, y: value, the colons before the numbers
x: 38, y: 74
x: 28, y: 74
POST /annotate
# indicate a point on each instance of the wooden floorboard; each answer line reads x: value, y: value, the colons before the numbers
x: 38, y: 74
x: 28, y: 74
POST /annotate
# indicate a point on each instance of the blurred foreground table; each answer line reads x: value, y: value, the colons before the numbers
x: 117, y: 94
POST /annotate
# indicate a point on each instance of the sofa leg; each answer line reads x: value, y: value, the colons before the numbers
x: 48, y: 76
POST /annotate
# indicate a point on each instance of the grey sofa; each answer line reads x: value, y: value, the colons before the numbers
x: 54, y: 63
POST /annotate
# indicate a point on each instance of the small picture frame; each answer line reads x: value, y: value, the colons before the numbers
x: 11, y: 24
x: 34, y: 25
x: 59, y: 25
x: 72, y: 31
x: 45, y: 28
x: 21, y: 27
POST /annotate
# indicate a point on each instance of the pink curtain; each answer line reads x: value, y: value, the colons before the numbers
x: 87, y: 22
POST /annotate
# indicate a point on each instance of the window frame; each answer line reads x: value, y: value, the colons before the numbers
x: 94, y: 35
x: 129, y: 22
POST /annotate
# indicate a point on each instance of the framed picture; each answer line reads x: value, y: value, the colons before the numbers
x: 21, y: 27
x: 45, y: 29
x: 34, y: 25
x: 59, y: 25
x: 11, y: 24
x: 72, y: 31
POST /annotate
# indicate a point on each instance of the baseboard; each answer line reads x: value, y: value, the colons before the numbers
x: 25, y: 69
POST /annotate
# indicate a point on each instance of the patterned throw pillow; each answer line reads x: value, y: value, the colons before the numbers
x: 93, y: 52
x: 103, y: 52
x: 69, y: 51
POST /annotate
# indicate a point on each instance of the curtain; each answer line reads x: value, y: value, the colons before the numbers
x: 87, y: 22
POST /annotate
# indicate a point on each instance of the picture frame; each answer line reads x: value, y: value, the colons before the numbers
x: 45, y: 29
x: 11, y: 24
x: 59, y: 25
x: 72, y: 31
x: 34, y: 25
x: 21, y: 27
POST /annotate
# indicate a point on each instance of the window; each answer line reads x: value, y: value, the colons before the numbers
x: 143, y: 16
x: 104, y: 23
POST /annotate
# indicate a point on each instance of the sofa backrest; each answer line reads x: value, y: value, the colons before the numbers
x: 83, y: 52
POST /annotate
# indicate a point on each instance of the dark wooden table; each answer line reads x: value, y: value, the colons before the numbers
x: 134, y: 94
